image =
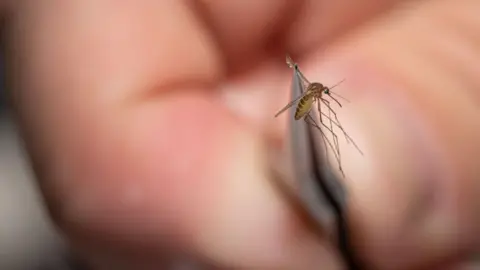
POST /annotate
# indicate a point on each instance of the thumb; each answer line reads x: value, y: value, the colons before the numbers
x: 413, y: 76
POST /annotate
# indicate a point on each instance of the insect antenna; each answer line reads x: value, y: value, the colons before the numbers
x: 329, y: 92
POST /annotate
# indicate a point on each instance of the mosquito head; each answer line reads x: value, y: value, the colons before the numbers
x: 326, y: 91
x: 315, y: 86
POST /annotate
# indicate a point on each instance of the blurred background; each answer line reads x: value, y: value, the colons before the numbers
x: 28, y: 241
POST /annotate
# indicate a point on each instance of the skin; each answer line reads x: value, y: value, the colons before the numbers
x: 148, y: 124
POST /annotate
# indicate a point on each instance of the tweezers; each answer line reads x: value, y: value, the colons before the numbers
x: 320, y: 191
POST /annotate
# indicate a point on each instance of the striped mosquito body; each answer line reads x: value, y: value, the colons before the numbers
x: 305, y: 104
x: 315, y: 93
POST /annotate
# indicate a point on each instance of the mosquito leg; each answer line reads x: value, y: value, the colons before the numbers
x: 337, y: 122
x: 335, y: 138
x: 336, y: 149
x: 339, y: 125
x: 348, y: 138
x: 334, y: 99
x: 308, y: 118
x: 327, y: 103
x: 319, y: 111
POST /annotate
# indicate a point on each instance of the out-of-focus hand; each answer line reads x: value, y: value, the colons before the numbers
x: 148, y: 124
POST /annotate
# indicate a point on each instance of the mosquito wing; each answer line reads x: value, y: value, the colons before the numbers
x: 290, y: 104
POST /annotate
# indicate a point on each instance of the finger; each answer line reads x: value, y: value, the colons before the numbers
x: 244, y: 29
x: 411, y: 78
x: 133, y: 151
x: 90, y: 67
x: 320, y: 22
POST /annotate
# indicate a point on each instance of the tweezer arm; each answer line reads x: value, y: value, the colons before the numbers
x: 322, y: 194
x: 300, y: 141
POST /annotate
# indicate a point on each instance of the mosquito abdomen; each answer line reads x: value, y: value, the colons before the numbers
x: 304, y: 106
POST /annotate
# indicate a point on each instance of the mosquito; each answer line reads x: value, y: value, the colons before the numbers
x: 327, y: 91
x: 314, y: 93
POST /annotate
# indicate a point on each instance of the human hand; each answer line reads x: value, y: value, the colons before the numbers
x: 147, y: 123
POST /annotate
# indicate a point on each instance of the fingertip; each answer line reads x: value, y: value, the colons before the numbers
x: 198, y: 184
